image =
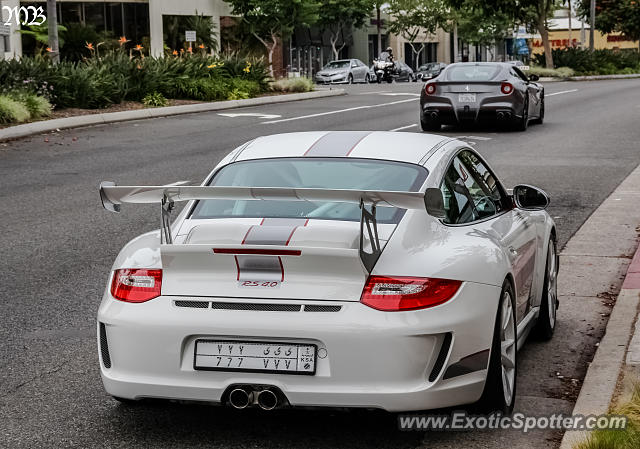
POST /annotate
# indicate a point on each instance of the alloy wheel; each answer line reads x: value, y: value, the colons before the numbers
x: 507, y: 348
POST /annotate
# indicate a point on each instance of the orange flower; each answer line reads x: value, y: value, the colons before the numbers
x: 138, y: 47
x: 123, y: 40
x: 174, y: 52
x: 49, y: 50
x: 190, y: 50
x: 201, y: 46
x: 89, y: 45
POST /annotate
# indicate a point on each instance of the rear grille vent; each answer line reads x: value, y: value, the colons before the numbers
x: 442, y: 357
x: 263, y: 307
x: 194, y: 304
x: 315, y: 308
x: 104, y: 347
x: 256, y: 306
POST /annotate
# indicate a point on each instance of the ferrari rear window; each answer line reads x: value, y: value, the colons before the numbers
x: 472, y: 72
x: 319, y: 173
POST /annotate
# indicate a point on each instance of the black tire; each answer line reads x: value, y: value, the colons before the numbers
x: 389, y: 80
x: 493, y: 397
x: 429, y: 125
x: 540, y: 119
x: 127, y: 402
x: 366, y: 79
x: 350, y: 79
x: 523, y: 122
x: 546, y: 323
x: 379, y: 79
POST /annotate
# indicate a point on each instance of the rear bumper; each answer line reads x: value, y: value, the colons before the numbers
x: 450, y: 112
x: 367, y: 358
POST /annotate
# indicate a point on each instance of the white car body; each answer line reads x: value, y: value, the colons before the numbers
x: 365, y: 357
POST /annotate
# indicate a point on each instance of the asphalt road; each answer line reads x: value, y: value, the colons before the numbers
x: 58, y: 245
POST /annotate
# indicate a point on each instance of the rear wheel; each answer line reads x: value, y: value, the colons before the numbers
x: 429, y: 125
x: 350, y: 79
x: 549, y: 303
x: 500, y: 387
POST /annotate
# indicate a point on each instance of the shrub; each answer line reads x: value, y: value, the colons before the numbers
x: 37, y: 106
x: 155, y: 99
x: 12, y: 111
x: 560, y: 72
x: 597, y: 62
x: 293, y: 85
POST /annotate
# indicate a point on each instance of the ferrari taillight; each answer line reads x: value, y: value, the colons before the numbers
x: 506, y: 88
x: 136, y: 285
x: 394, y: 294
x: 430, y: 88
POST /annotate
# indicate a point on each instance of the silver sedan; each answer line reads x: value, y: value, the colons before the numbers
x: 343, y: 71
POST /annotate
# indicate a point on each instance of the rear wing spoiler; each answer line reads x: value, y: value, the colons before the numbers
x: 113, y: 196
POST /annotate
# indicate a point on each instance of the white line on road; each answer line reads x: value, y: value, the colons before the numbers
x: 248, y: 114
x: 338, y: 111
x: 396, y: 94
x: 404, y: 127
x: 561, y: 92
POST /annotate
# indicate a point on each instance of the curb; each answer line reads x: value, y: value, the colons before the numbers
x: 620, y: 345
x: 28, y: 129
x: 547, y: 79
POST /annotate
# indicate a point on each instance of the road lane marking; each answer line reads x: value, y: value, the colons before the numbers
x: 338, y: 111
x: 404, y: 127
x: 396, y: 94
x: 561, y: 92
x: 249, y: 114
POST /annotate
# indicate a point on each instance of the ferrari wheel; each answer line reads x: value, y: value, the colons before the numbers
x: 549, y: 302
x: 523, y: 122
x: 500, y: 387
x: 428, y: 125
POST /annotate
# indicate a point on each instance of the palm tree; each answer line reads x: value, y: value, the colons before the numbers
x: 52, y: 17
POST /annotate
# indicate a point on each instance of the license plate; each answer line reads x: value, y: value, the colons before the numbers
x: 466, y: 98
x: 229, y: 355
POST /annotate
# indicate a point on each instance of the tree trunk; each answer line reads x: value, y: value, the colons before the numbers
x: 333, y: 40
x: 52, y: 17
x: 378, y: 25
x: 270, y: 46
x: 592, y: 24
x: 544, y: 34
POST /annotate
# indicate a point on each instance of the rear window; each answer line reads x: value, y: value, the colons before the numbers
x: 321, y: 173
x: 473, y: 72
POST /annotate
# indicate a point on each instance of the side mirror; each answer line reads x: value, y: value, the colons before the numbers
x: 534, y: 77
x: 530, y: 198
x: 434, y: 203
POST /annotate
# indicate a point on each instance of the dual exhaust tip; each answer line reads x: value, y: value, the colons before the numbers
x: 241, y: 398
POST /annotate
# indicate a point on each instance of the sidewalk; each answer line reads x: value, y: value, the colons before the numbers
x: 28, y: 129
x: 619, y: 349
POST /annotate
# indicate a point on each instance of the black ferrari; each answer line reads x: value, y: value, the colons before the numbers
x: 470, y: 92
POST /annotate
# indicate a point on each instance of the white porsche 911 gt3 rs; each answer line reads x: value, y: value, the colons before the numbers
x: 341, y: 269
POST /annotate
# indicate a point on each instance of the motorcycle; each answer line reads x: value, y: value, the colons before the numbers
x: 384, y: 70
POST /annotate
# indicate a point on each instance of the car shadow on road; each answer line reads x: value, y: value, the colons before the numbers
x: 164, y: 424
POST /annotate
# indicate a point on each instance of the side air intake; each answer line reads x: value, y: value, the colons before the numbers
x: 104, y: 347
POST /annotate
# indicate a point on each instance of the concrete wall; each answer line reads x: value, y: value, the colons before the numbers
x: 15, y: 42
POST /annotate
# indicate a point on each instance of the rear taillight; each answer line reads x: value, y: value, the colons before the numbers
x: 407, y: 293
x: 136, y: 285
x: 430, y: 88
x: 506, y: 88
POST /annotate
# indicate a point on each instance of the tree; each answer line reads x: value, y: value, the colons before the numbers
x: 477, y: 28
x: 412, y: 18
x: 271, y: 21
x: 534, y: 14
x: 52, y: 17
x: 336, y: 16
x: 622, y: 16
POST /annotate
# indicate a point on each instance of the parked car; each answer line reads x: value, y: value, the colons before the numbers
x: 472, y: 91
x: 430, y: 70
x: 343, y: 71
x: 341, y: 269
x: 404, y: 72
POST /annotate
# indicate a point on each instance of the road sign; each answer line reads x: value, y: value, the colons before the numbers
x: 190, y: 36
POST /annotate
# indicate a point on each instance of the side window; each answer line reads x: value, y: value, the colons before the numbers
x: 470, y: 191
